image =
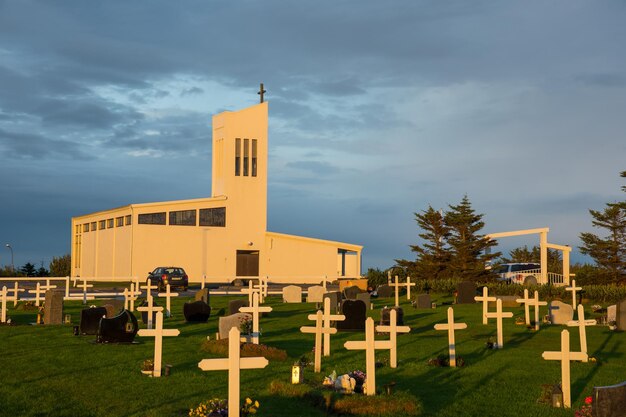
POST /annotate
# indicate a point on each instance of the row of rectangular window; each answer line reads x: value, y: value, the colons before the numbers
x: 212, y: 217
x: 106, y: 224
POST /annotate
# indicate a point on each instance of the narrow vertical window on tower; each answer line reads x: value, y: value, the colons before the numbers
x: 254, y: 157
x: 246, y: 157
x: 237, y: 157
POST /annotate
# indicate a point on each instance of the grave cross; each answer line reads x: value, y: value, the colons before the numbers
x: 256, y: 312
x: 536, y: 303
x: 398, y: 284
x: 3, y: 314
x: 370, y: 346
x: 150, y: 309
x: 499, y: 315
x: 129, y: 299
x: 582, y: 328
x: 393, y: 329
x: 262, y: 289
x: 451, y: 326
x: 251, y: 290
x: 168, y: 294
x: 85, y: 286
x: 526, y: 301
x: 134, y: 294
x: 327, y: 319
x: 37, y: 291
x: 573, y: 288
x: 234, y: 363
x: 158, y: 334
x: 318, y: 330
x: 149, y: 287
x: 565, y: 356
x: 485, y: 299
x: 16, y: 290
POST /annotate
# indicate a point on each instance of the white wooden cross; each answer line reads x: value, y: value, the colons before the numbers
x: 318, y: 330
x: 251, y: 290
x: 393, y: 329
x: 369, y: 345
x: 565, y: 356
x: 398, y: 284
x: 234, y: 363
x: 134, y: 293
x: 150, y: 309
x: 167, y: 294
x: 536, y: 303
x: 256, y: 313
x: 582, y: 328
x: 85, y: 286
x: 149, y: 287
x: 451, y: 326
x: 37, y: 291
x: 526, y: 301
x: 129, y: 298
x: 328, y: 317
x: 158, y: 334
x: 3, y: 297
x: 499, y: 315
x: 16, y: 290
x: 262, y: 288
x: 485, y: 300
x: 573, y: 288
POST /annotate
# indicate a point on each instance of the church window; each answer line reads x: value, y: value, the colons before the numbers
x: 109, y: 223
x: 254, y: 159
x: 93, y: 226
x: 183, y: 218
x: 128, y: 220
x: 119, y: 221
x: 237, y: 157
x: 215, y: 217
x: 151, y: 218
x: 85, y: 227
x: 246, y: 156
x: 102, y: 224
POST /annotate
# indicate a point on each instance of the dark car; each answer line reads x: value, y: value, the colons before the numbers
x: 173, y: 275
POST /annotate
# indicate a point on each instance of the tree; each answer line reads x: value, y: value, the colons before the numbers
x: 433, y: 256
x: 468, y: 248
x: 609, y: 252
x: 61, y: 266
x: 28, y: 270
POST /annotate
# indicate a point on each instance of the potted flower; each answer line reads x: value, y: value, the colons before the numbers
x: 249, y: 407
x: 147, y: 367
x: 211, y: 408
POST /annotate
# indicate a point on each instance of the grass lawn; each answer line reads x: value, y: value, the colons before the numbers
x: 46, y: 371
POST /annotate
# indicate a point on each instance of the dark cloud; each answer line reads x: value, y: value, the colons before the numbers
x: 34, y: 146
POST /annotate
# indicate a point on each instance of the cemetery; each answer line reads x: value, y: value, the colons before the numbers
x: 313, y: 354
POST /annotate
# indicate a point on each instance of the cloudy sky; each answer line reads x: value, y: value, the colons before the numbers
x: 377, y: 110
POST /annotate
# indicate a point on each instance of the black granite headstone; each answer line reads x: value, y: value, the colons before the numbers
x: 423, y: 301
x: 610, y: 401
x: 620, y: 317
x: 235, y: 305
x: 198, y: 311
x: 335, y: 298
x: 90, y: 319
x: 386, y: 291
x: 144, y: 314
x: 350, y: 293
x: 119, y: 329
x: 466, y: 291
x: 385, y: 312
x: 355, y: 313
x: 202, y: 295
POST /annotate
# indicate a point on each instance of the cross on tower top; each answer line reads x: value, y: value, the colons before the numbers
x: 261, y: 92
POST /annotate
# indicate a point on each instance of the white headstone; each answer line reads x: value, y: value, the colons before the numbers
x: 611, y: 313
x: 451, y: 326
x: 499, y: 315
x: 158, y: 333
x: 565, y: 356
x: 234, y: 363
x: 315, y: 294
x: 560, y: 313
x: 292, y: 294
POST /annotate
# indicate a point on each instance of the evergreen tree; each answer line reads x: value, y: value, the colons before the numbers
x: 61, y: 266
x: 433, y: 256
x: 468, y: 248
x: 28, y: 270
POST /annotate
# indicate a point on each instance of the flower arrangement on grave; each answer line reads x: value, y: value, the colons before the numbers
x: 443, y: 360
x: 491, y: 343
x: 304, y: 361
x: 519, y: 320
x: 249, y: 407
x: 245, y: 325
x: 359, y: 377
x: 147, y: 365
x: 596, y: 308
x: 586, y: 410
x: 213, y: 408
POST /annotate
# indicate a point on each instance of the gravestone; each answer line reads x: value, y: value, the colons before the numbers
x: 197, y: 312
x: 610, y: 401
x: 315, y: 294
x: 423, y: 301
x: 466, y: 291
x: 334, y: 297
x: 53, y: 308
x: 385, y: 313
x: 235, y: 305
x: 202, y: 295
x: 620, y: 315
x: 560, y: 312
x: 509, y: 301
x: 355, y: 313
x: 90, y: 319
x: 366, y: 298
x: 292, y: 294
x: 350, y: 293
x: 119, y: 329
x: 611, y: 313
x: 110, y: 310
x: 144, y: 314
x: 117, y: 305
x: 385, y: 291
x: 228, y: 322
